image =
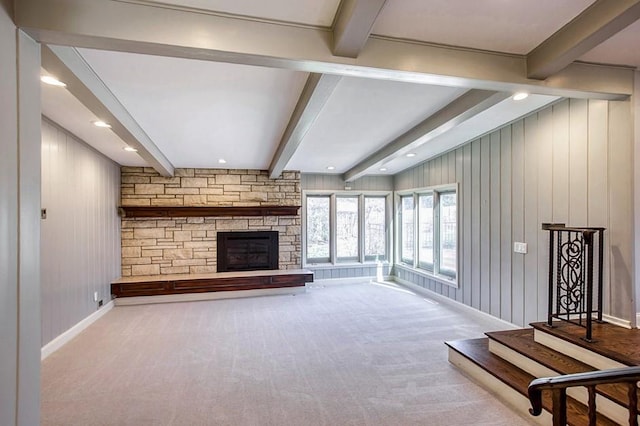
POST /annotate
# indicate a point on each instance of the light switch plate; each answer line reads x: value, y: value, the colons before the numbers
x: 520, y: 247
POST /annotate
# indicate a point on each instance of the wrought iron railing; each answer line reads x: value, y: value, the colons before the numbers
x: 559, y: 384
x: 575, y: 295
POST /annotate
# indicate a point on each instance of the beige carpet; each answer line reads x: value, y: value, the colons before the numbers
x: 359, y: 354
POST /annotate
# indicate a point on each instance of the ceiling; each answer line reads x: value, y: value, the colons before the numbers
x: 312, y: 84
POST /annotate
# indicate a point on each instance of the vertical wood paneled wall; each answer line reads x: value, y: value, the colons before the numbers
x: 80, y: 238
x: 332, y: 182
x: 571, y: 162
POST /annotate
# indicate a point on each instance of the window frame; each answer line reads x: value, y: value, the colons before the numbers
x: 443, y: 275
x: 361, y: 258
x: 387, y: 227
x: 401, y: 257
x: 317, y: 260
x: 359, y: 255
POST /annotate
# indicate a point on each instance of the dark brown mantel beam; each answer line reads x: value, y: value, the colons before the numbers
x: 206, y: 211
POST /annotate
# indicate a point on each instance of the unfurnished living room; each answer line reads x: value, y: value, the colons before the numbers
x: 319, y: 212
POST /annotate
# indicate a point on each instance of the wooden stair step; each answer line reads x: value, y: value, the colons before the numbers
x: 611, y: 341
x: 522, y: 342
x: 477, y: 351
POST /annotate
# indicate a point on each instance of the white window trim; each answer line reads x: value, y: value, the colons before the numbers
x: 442, y: 278
x: 333, y: 262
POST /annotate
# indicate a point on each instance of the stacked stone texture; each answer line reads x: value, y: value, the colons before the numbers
x: 160, y: 246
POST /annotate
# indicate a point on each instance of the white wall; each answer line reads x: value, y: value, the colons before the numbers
x: 80, y: 248
x: 19, y: 225
x: 571, y: 162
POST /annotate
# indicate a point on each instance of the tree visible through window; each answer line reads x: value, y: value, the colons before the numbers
x: 375, y: 237
x: 407, y: 231
x: 347, y: 228
x: 425, y: 225
x: 436, y: 232
x: 318, y: 228
x: 448, y: 233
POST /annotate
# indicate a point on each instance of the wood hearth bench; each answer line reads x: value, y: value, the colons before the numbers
x: 221, y: 285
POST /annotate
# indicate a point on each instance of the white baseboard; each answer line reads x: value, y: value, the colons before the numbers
x: 443, y: 299
x: 617, y: 321
x: 213, y: 295
x: 340, y: 281
x: 65, y: 337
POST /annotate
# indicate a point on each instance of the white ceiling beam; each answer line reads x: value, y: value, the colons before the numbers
x: 83, y: 83
x: 353, y: 25
x: 597, y: 23
x: 460, y: 110
x: 315, y: 94
x: 166, y: 31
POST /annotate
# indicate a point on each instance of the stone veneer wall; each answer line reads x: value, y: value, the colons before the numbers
x: 158, y: 246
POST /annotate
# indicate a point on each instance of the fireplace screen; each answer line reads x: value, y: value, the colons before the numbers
x: 247, y: 251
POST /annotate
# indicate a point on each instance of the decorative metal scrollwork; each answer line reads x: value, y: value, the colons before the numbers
x: 572, y: 274
x: 575, y: 255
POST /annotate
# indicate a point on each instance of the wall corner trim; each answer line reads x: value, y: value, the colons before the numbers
x: 68, y: 335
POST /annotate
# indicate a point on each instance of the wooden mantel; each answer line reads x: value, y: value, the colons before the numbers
x: 206, y: 211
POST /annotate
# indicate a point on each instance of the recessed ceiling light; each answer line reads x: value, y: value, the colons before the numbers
x: 47, y: 79
x: 222, y: 161
x: 383, y: 169
x: 520, y: 96
x: 331, y: 167
x: 130, y: 149
x: 102, y: 124
x: 411, y: 154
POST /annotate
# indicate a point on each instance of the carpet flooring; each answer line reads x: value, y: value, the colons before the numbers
x: 352, y: 354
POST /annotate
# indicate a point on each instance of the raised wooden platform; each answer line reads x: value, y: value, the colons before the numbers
x: 617, y: 343
x: 222, y: 282
x: 507, y: 361
x: 477, y: 352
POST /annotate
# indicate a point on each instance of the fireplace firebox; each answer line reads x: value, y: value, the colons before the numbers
x: 247, y: 251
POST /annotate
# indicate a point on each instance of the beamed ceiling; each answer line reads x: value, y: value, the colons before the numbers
x: 308, y: 84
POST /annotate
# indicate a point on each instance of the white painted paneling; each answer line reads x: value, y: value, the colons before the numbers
x: 8, y: 222
x: 19, y: 226
x: 81, y: 235
x: 570, y: 162
x: 29, y: 230
x: 620, y: 227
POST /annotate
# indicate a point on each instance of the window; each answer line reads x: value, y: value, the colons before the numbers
x: 318, y: 248
x: 407, y: 229
x: 448, y: 233
x: 347, y: 228
x: 425, y: 231
x: 344, y: 227
x: 375, y: 235
x: 435, y: 211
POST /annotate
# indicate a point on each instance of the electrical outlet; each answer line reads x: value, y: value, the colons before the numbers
x: 520, y: 248
x: 100, y: 303
x: 95, y: 296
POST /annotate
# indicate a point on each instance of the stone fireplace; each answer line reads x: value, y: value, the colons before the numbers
x: 167, y: 245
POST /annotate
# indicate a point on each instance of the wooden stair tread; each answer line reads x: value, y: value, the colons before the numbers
x: 477, y: 351
x: 522, y: 341
x: 611, y: 341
